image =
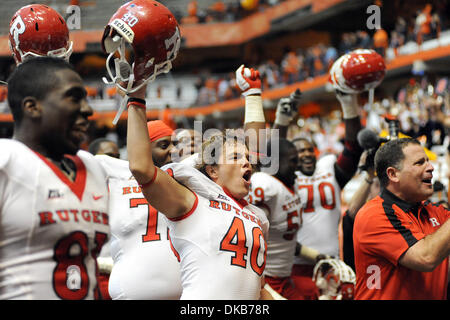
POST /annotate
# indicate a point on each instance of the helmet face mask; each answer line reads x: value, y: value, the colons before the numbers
x: 152, y: 32
x: 38, y: 30
x: 335, y: 280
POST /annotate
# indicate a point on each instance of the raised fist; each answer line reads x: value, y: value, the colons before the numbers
x: 349, y: 104
x: 287, y: 108
x: 248, y: 80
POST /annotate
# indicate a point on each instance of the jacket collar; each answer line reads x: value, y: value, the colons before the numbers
x: 390, y: 198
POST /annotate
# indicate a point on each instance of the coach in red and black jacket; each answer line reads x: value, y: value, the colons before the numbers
x: 401, y: 241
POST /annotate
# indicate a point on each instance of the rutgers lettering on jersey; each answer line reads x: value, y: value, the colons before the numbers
x: 235, y: 239
x: 74, y: 215
x: 51, y: 233
x: 227, y: 207
x: 152, y: 215
x: 140, y: 247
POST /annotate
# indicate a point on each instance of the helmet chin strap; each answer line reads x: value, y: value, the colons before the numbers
x: 123, y: 73
x: 123, y: 103
x: 58, y: 53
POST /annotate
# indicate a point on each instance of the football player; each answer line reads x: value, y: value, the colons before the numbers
x: 104, y: 146
x: 217, y: 236
x: 275, y: 194
x: 54, y: 199
x: 143, y: 266
x: 37, y: 30
x: 319, y: 184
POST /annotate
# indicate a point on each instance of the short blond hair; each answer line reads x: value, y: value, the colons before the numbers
x: 212, y: 148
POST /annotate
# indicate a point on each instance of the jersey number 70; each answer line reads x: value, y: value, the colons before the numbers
x: 323, y: 198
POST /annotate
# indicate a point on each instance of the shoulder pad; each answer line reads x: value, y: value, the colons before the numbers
x: 114, y: 167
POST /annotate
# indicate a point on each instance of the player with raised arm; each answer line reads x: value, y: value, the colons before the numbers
x: 319, y: 182
x: 143, y: 265
x: 226, y: 259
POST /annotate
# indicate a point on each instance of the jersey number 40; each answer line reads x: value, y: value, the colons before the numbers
x: 235, y: 240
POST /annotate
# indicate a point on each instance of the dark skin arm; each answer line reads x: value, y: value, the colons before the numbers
x: 282, y: 130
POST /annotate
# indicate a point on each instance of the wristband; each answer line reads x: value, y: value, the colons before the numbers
x: 254, y: 109
x: 252, y: 91
x: 136, y: 102
x: 145, y: 185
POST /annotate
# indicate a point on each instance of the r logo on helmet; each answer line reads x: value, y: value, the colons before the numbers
x: 38, y: 30
x: 17, y: 28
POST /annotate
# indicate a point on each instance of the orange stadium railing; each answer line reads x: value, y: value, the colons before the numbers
x: 209, y: 35
x: 317, y: 82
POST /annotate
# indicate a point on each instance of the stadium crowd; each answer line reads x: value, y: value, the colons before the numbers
x: 142, y: 211
x: 300, y: 64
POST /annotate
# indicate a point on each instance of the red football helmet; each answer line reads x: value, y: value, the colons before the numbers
x: 153, y: 33
x: 38, y: 30
x: 358, y: 71
x: 335, y: 280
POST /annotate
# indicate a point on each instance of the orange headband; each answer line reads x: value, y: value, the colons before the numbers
x: 158, y: 129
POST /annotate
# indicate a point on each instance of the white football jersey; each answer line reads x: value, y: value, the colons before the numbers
x: 321, y: 199
x: 283, y: 207
x: 220, y: 242
x: 145, y: 267
x: 51, y: 229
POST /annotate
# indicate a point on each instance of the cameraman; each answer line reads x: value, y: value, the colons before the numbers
x: 369, y: 186
x: 368, y: 189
